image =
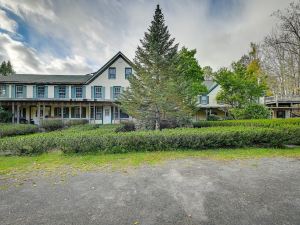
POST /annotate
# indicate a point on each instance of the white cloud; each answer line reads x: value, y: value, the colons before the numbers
x: 7, y: 23
x: 94, y: 31
x: 27, y: 60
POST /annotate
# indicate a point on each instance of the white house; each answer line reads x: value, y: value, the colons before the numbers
x: 92, y: 97
x: 207, y: 103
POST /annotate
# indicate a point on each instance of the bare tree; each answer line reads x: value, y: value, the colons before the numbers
x: 281, y: 52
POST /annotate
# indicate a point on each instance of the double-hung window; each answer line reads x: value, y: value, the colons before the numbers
x: 128, y: 72
x: 3, y: 90
x: 78, y: 92
x: 19, y: 91
x: 98, y: 92
x: 62, y: 92
x: 112, y: 73
x: 40, y: 91
x: 116, y: 92
x: 204, y: 99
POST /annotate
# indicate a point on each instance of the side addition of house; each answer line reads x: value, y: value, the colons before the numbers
x: 32, y: 98
x: 207, y: 103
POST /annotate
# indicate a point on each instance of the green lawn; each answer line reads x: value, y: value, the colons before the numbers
x: 55, y: 161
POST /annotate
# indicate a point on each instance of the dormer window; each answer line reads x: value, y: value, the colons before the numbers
x: 112, y: 73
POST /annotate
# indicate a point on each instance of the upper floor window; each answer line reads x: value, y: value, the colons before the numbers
x: 3, y: 90
x: 128, y: 72
x: 78, y: 92
x: 19, y: 91
x: 40, y: 91
x: 204, y: 99
x: 116, y: 92
x: 62, y: 92
x: 98, y: 92
x: 112, y: 73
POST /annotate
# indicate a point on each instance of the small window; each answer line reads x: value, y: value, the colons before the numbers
x: 40, y: 91
x: 19, y: 91
x: 128, y: 72
x: 75, y: 112
x: 98, y: 92
x: 116, y: 116
x: 112, y: 73
x: 62, y: 92
x: 2, y: 90
x: 116, y: 92
x: 57, y: 112
x: 78, y: 92
x: 203, y: 100
x: 98, y: 113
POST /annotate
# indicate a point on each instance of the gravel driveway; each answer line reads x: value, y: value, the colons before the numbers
x: 189, y: 191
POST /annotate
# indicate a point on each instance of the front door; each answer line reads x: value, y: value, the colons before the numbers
x: 106, y: 114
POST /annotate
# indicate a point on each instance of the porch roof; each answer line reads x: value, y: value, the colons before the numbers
x: 45, y: 79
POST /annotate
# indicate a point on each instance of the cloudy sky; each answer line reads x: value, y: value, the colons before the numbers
x: 79, y: 36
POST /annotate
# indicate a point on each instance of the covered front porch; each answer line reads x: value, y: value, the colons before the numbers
x: 93, y: 111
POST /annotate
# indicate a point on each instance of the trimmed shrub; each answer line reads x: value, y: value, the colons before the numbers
x: 51, y: 125
x: 7, y: 130
x: 76, y: 122
x: 252, y: 123
x: 104, y: 139
x: 5, y: 116
x: 179, y: 139
x: 251, y: 111
x: 213, y: 117
x: 126, y: 127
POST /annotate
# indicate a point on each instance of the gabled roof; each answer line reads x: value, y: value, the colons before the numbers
x: 108, y: 64
x: 61, y: 79
x: 45, y: 79
x: 210, y: 85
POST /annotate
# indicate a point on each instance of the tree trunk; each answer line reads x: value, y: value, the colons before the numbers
x: 157, y: 120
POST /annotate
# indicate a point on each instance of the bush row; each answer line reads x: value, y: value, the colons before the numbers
x: 255, y: 123
x: 17, y: 129
x: 107, y: 141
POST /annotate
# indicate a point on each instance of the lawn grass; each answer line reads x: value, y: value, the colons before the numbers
x: 54, y: 161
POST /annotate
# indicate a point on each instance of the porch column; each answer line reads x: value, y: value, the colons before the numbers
x: 13, y: 112
x: 18, y: 113
x: 119, y: 114
x: 44, y: 111
x: 94, y: 113
x: 89, y: 113
x: 39, y: 113
x: 80, y: 110
x: 62, y: 112
x: 113, y: 114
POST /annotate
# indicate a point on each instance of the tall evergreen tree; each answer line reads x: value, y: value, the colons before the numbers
x: 152, y: 93
x: 6, y: 68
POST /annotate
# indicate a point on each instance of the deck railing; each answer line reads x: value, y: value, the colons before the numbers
x: 274, y: 99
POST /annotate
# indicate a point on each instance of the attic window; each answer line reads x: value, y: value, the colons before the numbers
x: 112, y: 73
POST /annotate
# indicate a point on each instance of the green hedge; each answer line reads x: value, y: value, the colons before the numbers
x: 7, y: 130
x: 51, y: 125
x: 255, y: 123
x: 105, y: 140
